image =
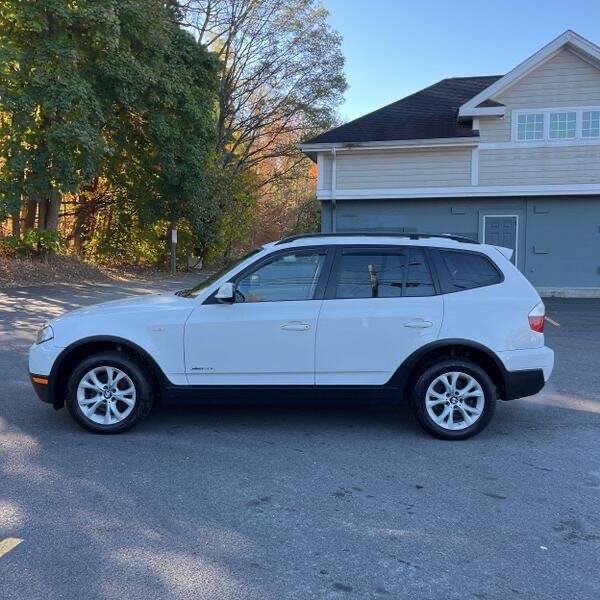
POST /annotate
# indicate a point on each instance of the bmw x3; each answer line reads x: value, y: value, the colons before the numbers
x: 444, y: 323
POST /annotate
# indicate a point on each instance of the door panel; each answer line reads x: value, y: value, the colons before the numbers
x: 267, y: 336
x: 380, y: 307
x: 363, y: 341
x: 256, y: 343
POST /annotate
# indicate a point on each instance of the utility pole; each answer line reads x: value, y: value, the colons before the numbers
x: 173, y: 248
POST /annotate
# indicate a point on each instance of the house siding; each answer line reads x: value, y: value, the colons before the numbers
x: 558, y: 237
x: 543, y: 166
x: 372, y: 169
x: 327, y: 171
x: 564, y: 80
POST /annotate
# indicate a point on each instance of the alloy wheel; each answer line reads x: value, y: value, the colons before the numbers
x: 454, y: 400
x: 106, y: 395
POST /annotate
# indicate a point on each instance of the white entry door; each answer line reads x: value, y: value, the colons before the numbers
x: 265, y: 337
x: 380, y: 307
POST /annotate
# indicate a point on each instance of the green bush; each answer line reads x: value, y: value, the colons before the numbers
x: 43, y: 240
x: 127, y: 241
x: 9, y: 245
x: 34, y: 242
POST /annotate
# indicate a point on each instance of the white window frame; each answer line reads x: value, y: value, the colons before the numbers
x: 564, y: 112
x: 516, y: 125
x: 547, y: 140
x: 594, y: 137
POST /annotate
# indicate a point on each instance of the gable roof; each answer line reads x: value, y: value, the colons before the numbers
x: 488, y: 103
x: 569, y: 39
x: 445, y: 109
x: 430, y: 113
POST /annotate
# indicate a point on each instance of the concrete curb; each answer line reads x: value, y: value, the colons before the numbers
x: 591, y: 292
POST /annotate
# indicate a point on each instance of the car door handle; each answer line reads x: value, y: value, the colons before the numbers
x: 295, y: 326
x: 418, y: 323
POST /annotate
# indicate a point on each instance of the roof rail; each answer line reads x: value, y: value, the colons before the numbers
x: 409, y: 234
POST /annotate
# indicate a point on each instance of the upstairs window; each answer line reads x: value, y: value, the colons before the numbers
x: 562, y: 125
x: 556, y: 125
x: 590, y: 126
x: 530, y: 127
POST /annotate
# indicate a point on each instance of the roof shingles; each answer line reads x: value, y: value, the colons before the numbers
x: 427, y: 114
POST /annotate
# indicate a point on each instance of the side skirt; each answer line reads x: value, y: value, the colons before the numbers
x: 296, y: 394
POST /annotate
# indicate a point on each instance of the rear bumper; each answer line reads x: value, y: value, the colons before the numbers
x: 520, y: 384
x: 529, y: 359
x: 526, y: 371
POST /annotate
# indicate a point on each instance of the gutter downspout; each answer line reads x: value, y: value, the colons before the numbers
x: 333, y: 191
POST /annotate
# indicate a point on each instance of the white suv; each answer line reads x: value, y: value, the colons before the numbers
x: 444, y: 322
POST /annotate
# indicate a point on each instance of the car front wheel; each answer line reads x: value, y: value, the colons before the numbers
x: 454, y: 399
x: 109, y: 392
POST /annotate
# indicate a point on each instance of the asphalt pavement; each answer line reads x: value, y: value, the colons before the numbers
x: 291, y: 502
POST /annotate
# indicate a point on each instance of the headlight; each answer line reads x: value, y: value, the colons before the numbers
x: 44, y: 334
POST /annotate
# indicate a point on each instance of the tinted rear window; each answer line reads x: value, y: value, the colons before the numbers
x: 418, y: 276
x: 468, y: 270
x: 384, y: 274
x: 371, y: 275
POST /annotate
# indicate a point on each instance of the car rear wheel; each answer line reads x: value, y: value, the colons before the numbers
x: 109, y: 392
x: 454, y: 399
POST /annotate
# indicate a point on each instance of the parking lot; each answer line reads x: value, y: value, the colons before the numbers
x: 300, y: 502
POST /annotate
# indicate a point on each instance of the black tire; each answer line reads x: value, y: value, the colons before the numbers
x: 448, y: 365
x: 136, y: 372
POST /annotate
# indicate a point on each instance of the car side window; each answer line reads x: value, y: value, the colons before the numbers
x: 418, y: 276
x: 383, y: 274
x: 468, y: 270
x: 290, y: 276
x: 371, y: 274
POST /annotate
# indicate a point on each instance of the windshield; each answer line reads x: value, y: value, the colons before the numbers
x: 201, y: 287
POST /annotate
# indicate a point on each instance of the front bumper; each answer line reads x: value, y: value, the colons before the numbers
x: 42, y: 358
x: 40, y: 385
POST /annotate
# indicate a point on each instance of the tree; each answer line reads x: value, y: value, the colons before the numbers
x: 166, y: 154
x: 103, y: 89
x: 51, y: 116
x: 281, y: 75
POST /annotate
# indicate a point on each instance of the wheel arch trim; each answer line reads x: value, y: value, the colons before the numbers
x: 403, y: 374
x: 55, y: 385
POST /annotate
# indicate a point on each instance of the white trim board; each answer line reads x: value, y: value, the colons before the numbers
x: 484, y: 217
x: 393, y: 145
x: 569, y: 39
x: 484, y: 111
x: 526, y: 145
x: 568, y: 292
x: 465, y: 191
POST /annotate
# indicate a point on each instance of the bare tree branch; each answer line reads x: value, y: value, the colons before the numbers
x: 281, y: 74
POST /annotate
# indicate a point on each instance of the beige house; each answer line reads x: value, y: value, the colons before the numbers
x: 511, y: 159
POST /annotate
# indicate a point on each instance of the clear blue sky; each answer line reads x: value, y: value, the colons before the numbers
x: 396, y: 47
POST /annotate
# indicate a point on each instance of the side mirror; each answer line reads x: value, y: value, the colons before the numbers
x: 226, y: 293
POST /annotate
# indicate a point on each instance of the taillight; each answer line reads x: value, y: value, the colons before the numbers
x: 536, y: 317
